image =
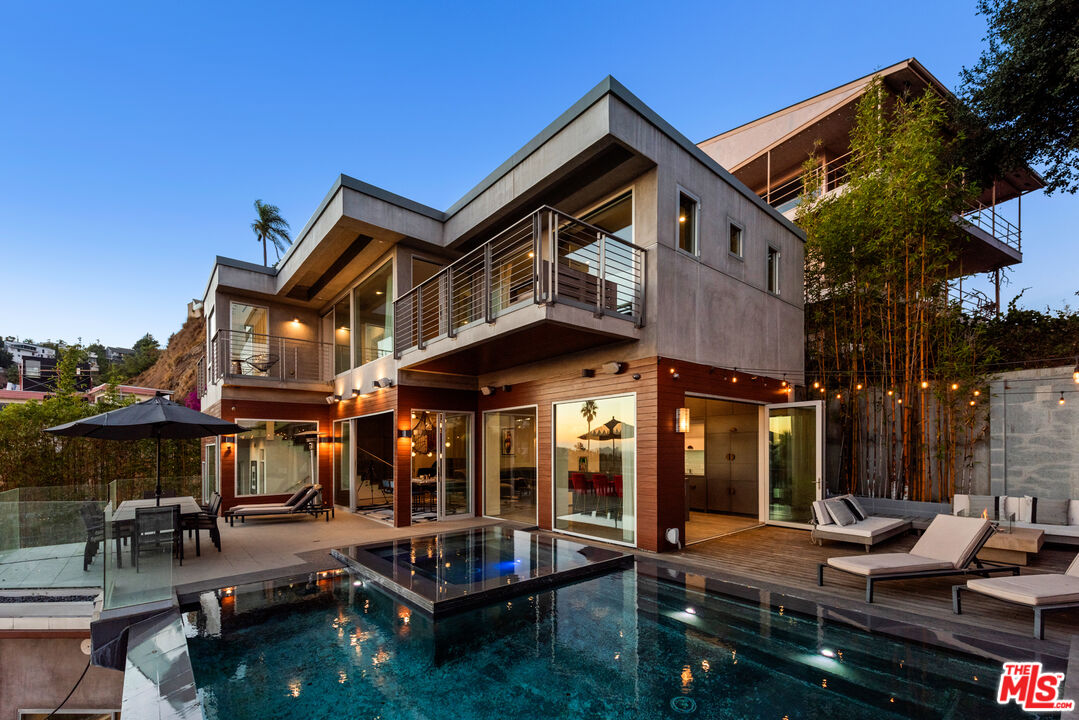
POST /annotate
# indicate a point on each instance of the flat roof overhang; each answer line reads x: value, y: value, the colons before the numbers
x: 980, y: 252
x: 525, y: 335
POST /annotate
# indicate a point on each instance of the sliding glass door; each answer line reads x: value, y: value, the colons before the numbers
x: 509, y: 464
x: 441, y: 465
x: 794, y: 450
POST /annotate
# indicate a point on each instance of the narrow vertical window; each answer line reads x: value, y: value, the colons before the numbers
x: 734, y: 242
x: 773, y: 270
x: 687, y: 223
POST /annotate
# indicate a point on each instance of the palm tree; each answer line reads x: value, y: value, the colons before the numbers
x: 270, y: 226
x: 589, y: 412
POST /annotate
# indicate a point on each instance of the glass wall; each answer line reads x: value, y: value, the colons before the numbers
x: 209, y: 471
x: 374, y: 441
x: 372, y: 304
x: 275, y: 457
x: 342, y: 462
x: 342, y: 337
x: 509, y: 464
x: 595, y: 467
x: 441, y: 464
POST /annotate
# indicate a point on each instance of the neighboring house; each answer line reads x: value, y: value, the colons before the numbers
x: 768, y: 154
x: 118, y: 354
x: 570, y: 344
x: 100, y: 393
x: 40, y: 374
x: 20, y: 350
x: 19, y: 397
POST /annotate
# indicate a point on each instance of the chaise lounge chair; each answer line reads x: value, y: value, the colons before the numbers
x: 307, y: 500
x: 842, y: 519
x: 949, y: 546
x: 1050, y: 591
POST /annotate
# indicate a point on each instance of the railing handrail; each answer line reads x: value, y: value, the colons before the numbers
x: 220, y: 331
x: 569, y: 217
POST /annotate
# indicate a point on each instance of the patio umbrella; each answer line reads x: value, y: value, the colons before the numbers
x: 155, y: 418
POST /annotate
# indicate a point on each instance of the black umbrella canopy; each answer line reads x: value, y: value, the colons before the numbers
x: 157, y: 417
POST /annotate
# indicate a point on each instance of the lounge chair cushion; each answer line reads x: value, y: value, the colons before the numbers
x: 839, y: 511
x: 264, y: 506
x: 820, y: 513
x: 1051, y: 512
x: 297, y: 495
x: 887, y: 563
x: 264, y: 510
x: 871, y: 527
x: 952, y: 539
x: 1030, y: 589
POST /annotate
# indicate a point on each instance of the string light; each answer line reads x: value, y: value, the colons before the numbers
x: 816, y: 384
x: 977, y: 393
x: 899, y: 401
x: 891, y: 392
x: 1061, y: 400
x: 858, y: 386
x: 973, y: 403
x: 955, y: 386
x: 838, y: 396
x: 1075, y: 372
x: 925, y: 384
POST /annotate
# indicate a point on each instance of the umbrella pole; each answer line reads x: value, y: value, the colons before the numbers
x: 158, y: 489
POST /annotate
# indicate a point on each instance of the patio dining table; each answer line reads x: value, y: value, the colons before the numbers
x: 125, y: 512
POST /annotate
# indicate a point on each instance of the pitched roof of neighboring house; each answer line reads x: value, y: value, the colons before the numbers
x: 129, y: 390
x: 21, y: 395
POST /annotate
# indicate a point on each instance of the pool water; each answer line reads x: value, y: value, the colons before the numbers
x: 622, y: 645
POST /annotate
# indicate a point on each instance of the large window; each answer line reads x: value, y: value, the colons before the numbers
x: 509, y: 464
x: 372, y: 305
x: 595, y: 467
x: 275, y: 457
x: 342, y: 462
x: 615, y: 216
x: 687, y: 223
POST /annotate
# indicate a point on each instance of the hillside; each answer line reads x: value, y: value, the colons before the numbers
x: 175, y: 367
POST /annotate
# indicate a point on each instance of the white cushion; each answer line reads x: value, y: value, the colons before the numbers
x: 960, y: 503
x: 1058, y: 530
x: 1073, y: 512
x: 1018, y: 508
x: 950, y: 538
x: 1030, y: 589
x: 887, y: 563
x: 820, y: 513
x: 868, y: 528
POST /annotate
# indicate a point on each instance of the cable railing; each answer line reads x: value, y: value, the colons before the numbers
x: 596, y: 270
x: 240, y: 354
x: 989, y: 220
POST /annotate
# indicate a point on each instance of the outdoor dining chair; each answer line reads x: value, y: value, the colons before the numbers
x: 156, y: 528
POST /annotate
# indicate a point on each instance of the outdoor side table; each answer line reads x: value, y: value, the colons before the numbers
x: 1013, y: 547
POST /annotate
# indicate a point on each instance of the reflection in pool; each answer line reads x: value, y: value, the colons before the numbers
x: 622, y: 645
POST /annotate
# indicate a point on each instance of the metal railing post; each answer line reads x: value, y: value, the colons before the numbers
x: 601, y: 303
x: 537, y: 228
x: 451, y: 330
x: 552, y: 219
x: 420, y: 344
x: 488, y: 314
x: 641, y: 286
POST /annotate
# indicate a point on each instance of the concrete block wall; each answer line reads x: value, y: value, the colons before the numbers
x: 1034, y: 440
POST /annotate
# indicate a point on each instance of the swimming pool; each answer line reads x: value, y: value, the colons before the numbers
x: 622, y: 645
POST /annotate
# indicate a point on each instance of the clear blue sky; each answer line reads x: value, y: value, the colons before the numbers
x: 135, y: 137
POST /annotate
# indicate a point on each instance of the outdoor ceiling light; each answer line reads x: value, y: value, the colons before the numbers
x: 681, y: 420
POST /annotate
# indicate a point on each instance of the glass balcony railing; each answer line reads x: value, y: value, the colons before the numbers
x: 240, y: 354
x: 91, y: 537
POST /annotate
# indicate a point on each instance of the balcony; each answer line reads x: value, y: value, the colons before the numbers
x: 242, y: 358
x: 507, y: 303
x: 993, y: 241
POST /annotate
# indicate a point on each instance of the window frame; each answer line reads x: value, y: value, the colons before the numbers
x: 771, y: 279
x: 696, y: 252
x: 483, y: 477
x: 741, y: 254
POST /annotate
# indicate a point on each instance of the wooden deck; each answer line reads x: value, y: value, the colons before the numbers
x: 786, y: 561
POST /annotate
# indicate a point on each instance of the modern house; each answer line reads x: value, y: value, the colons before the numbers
x: 40, y: 374
x: 537, y: 352
x: 769, y: 153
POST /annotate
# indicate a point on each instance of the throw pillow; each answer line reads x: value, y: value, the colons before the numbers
x: 839, y: 511
x: 854, y: 506
x: 820, y: 513
x: 1052, y: 512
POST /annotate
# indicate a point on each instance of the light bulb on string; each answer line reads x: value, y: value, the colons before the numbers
x: 955, y: 386
x: 1061, y: 400
x: 816, y: 384
x: 925, y: 384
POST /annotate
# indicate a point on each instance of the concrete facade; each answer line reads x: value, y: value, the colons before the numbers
x: 39, y: 670
x: 710, y: 308
x: 1034, y: 440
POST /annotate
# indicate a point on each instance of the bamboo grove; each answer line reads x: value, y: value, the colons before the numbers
x: 896, y: 359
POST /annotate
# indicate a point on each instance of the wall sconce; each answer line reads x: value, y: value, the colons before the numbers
x: 383, y: 383
x: 681, y: 420
x: 507, y: 388
x: 406, y: 433
x: 356, y: 392
x: 614, y: 368
x: 588, y: 373
x: 487, y: 390
x: 331, y: 399
x: 295, y: 321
